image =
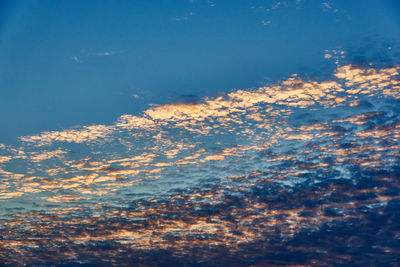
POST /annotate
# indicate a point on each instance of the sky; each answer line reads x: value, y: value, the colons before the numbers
x: 69, y: 63
x: 199, y: 133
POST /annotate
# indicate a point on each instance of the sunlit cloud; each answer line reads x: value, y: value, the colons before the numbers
x: 269, y: 165
x: 87, y: 133
x: 4, y: 159
x: 44, y: 155
x: 293, y: 92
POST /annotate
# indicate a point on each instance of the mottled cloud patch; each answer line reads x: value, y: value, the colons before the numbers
x: 86, y: 134
x: 351, y: 82
x: 4, y: 159
x: 44, y: 155
x: 279, y: 166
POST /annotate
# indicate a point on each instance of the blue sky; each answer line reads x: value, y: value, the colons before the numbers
x: 199, y: 133
x: 67, y: 63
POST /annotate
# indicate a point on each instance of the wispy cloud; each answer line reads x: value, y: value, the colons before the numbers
x: 135, y: 96
x: 329, y: 6
x: 265, y: 22
x: 105, y: 54
x: 184, y: 17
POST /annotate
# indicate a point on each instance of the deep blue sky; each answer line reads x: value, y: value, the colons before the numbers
x: 66, y: 63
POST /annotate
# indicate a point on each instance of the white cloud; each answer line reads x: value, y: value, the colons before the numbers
x: 136, y: 96
x: 102, y: 54
x: 326, y: 6
x: 265, y: 22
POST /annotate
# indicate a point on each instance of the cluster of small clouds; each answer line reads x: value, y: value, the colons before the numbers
x: 86, y: 134
x: 167, y: 136
x: 294, y: 92
x: 329, y: 6
x: 336, y: 54
x: 184, y: 17
x: 78, y: 59
x: 294, y: 132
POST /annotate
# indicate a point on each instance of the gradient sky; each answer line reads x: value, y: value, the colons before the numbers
x: 200, y: 133
x: 68, y: 63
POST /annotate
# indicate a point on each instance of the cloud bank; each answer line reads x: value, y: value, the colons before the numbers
x: 270, y: 166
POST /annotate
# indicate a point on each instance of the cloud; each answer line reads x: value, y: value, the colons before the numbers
x: 86, y: 134
x: 329, y: 6
x: 184, y: 17
x: 326, y: 6
x: 44, y: 155
x: 276, y: 5
x: 270, y: 165
x: 265, y: 22
x: 293, y: 92
x: 4, y: 159
x: 136, y: 96
x: 105, y: 54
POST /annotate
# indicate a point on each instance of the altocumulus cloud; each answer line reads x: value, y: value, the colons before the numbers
x: 253, y: 172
